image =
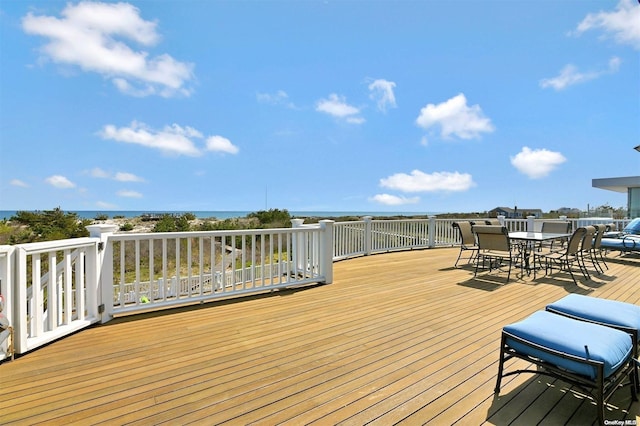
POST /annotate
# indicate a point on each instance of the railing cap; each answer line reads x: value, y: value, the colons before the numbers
x: 100, y: 229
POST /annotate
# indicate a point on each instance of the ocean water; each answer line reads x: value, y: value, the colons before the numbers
x: 92, y: 214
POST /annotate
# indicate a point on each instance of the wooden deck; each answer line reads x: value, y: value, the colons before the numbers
x: 397, y: 338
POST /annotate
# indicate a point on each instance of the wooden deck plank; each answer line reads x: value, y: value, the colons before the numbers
x: 399, y: 337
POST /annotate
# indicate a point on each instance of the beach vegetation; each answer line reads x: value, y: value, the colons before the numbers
x: 173, y: 223
x: 47, y: 225
x: 272, y: 218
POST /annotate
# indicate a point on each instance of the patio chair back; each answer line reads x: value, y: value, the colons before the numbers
x: 493, y: 222
x: 575, y: 241
x: 600, y: 230
x: 556, y: 227
x: 466, y: 235
x: 492, y: 237
x: 587, y: 240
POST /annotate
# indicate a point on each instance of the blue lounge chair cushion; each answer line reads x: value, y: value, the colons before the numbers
x: 606, y: 345
x: 604, y: 311
x: 626, y: 243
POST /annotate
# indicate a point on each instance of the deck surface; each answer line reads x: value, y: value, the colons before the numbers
x: 396, y: 338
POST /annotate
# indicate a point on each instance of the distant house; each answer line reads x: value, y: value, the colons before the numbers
x: 568, y: 210
x: 515, y: 213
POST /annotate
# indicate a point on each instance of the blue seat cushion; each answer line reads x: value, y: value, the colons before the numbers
x: 623, y: 244
x: 605, y: 311
x: 578, y: 338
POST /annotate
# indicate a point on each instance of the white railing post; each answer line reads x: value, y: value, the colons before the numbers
x: 531, y: 223
x: 103, y: 271
x: 326, y: 250
x: 6, y: 286
x: 368, y: 237
x: 20, y: 297
x: 502, y: 218
x: 432, y: 231
x: 298, y: 246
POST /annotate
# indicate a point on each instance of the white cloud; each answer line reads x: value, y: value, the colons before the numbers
x: 394, y: 200
x: 418, y: 181
x: 129, y: 194
x: 105, y: 205
x: 18, y: 182
x: 97, y: 172
x: 59, y: 181
x: 336, y: 106
x: 172, y: 140
x: 220, y: 144
x: 278, y: 98
x: 382, y: 92
x: 570, y: 75
x: 455, y: 118
x: 92, y: 35
x: 127, y: 177
x: 537, y: 163
x: 623, y: 24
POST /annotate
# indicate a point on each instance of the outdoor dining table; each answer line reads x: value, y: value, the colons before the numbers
x: 528, y: 241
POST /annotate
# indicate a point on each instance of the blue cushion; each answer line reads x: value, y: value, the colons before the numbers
x: 608, y: 345
x: 605, y: 311
x: 633, y: 227
x: 625, y: 244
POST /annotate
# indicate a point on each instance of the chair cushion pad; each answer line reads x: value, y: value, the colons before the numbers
x: 624, y: 244
x: 604, y: 311
x: 607, y: 345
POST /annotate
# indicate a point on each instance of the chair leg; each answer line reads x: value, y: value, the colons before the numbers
x: 602, y: 258
x: 500, y: 365
x: 455, y: 265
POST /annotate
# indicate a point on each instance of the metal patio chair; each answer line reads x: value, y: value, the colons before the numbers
x: 467, y: 240
x: 495, y: 247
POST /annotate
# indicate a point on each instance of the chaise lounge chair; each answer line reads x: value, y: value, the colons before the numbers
x: 626, y: 241
x: 593, y: 357
x: 611, y: 313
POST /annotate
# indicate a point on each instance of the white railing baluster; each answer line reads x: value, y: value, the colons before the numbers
x: 37, y: 307
x: 67, y: 310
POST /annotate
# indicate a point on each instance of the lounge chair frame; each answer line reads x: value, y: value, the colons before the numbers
x: 600, y: 388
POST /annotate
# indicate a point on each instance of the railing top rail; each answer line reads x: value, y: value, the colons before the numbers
x: 46, y: 246
x: 196, y: 234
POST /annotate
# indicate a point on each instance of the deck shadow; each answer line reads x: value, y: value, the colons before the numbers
x: 541, y: 397
x: 191, y: 306
x: 486, y: 282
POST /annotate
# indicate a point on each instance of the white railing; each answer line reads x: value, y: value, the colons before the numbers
x: 150, y: 271
x: 6, y: 273
x: 55, y: 288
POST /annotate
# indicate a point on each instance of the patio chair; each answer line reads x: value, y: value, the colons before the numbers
x: 597, y: 245
x: 555, y: 227
x: 467, y: 240
x: 563, y: 258
x: 495, y: 247
x: 611, y: 313
x: 586, y: 250
x: 579, y: 353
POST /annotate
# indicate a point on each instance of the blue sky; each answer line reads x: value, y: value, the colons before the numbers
x: 402, y: 106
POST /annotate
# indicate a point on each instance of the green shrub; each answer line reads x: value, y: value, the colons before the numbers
x: 48, y: 225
